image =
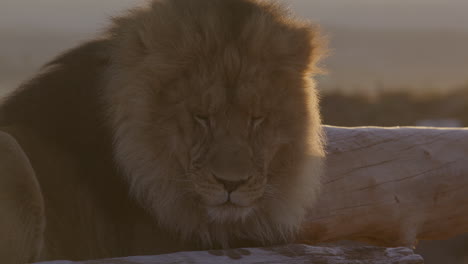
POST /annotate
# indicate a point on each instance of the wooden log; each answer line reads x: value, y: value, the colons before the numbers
x: 275, y: 255
x: 392, y: 186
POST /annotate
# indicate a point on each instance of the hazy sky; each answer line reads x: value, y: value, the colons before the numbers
x: 395, y: 42
x: 86, y: 15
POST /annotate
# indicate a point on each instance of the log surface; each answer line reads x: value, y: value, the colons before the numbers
x: 275, y: 255
x: 392, y: 186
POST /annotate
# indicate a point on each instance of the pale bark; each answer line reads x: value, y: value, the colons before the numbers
x: 392, y: 186
x: 276, y: 255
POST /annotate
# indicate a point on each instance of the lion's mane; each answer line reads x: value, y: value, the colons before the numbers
x: 175, y: 48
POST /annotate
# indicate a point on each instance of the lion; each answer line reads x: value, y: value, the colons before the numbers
x: 186, y: 125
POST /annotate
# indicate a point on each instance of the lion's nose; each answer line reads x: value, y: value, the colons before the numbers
x: 230, y: 186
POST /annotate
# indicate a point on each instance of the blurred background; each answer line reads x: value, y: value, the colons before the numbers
x: 392, y: 62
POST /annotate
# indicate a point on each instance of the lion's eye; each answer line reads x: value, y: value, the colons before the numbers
x: 255, y: 122
x: 202, y: 120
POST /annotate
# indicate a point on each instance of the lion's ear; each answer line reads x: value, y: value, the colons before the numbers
x: 131, y: 43
x: 142, y: 41
x: 301, y: 48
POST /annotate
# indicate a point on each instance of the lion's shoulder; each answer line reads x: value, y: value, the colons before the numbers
x: 21, y: 204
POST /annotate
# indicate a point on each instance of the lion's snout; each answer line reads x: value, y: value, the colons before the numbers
x: 230, y: 186
x: 230, y: 164
x: 243, y: 193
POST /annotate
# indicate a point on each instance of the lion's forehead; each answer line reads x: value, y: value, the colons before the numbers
x: 250, y: 94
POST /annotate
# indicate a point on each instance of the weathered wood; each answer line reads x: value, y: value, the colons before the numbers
x: 285, y: 255
x: 392, y: 186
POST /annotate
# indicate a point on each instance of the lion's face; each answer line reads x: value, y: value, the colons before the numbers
x: 219, y: 139
x: 231, y: 133
x: 224, y: 164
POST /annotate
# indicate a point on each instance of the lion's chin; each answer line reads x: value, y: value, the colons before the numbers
x: 229, y: 213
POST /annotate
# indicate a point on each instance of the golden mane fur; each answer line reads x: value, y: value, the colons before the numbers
x: 207, y: 111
